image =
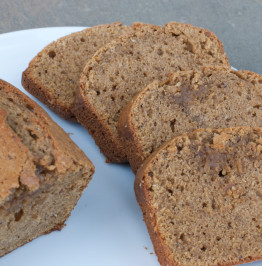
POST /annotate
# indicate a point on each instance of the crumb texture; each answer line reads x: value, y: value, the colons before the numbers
x: 43, y: 173
x: 125, y: 66
x: 201, y: 195
x: 53, y: 75
x: 211, y: 97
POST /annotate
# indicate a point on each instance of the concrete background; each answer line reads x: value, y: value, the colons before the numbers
x: 237, y: 23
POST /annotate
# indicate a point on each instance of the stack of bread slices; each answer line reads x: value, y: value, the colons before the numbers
x: 166, y: 100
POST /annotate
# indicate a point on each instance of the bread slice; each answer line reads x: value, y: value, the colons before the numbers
x: 201, y: 197
x: 53, y: 75
x: 212, y: 97
x: 125, y: 66
x: 42, y: 172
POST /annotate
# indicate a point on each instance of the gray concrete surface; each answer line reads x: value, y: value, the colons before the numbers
x: 237, y: 23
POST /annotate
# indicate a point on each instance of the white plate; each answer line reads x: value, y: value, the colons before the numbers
x: 106, y: 227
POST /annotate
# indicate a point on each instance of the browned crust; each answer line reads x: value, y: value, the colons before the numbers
x: 130, y: 140
x: 57, y: 227
x: 62, y: 142
x: 127, y: 132
x: 142, y: 197
x: 103, y: 137
x: 39, y: 90
x: 65, y: 148
x: 243, y: 74
x: 109, y: 144
x: 42, y: 95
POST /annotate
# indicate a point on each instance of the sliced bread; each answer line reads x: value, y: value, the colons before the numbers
x: 53, y: 75
x: 201, y: 197
x: 211, y: 97
x: 42, y: 172
x: 125, y: 66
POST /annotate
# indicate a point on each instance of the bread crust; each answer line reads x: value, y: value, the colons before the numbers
x: 141, y: 191
x: 118, y: 154
x: 126, y: 128
x: 160, y: 248
x: 67, y: 147
x: 69, y: 169
x: 40, y: 90
x: 127, y: 133
x: 89, y: 118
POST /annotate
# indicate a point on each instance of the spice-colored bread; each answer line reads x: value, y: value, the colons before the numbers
x: 53, y: 75
x: 42, y: 172
x: 125, y: 66
x: 211, y: 97
x: 201, y: 197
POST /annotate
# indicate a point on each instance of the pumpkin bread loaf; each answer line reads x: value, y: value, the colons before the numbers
x: 53, y: 75
x: 126, y: 65
x: 211, y: 97
x: 201, y: 197
x: 42, y: 172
